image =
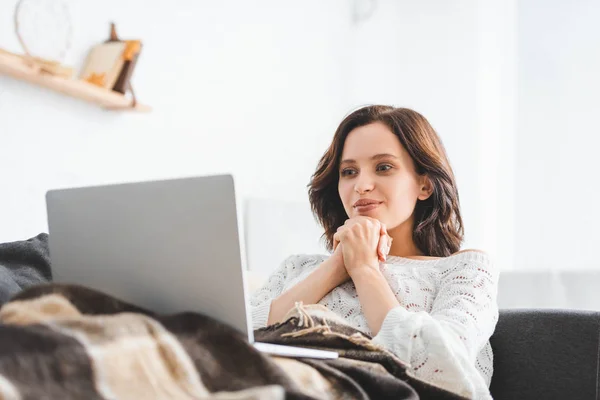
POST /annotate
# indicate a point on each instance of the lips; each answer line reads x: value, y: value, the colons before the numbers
x: 366, y: 202
x: 365, y: 205
x: 364, y: 209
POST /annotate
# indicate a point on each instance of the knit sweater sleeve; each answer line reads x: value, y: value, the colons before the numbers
x: 442, y: 346
x: 292, y: 269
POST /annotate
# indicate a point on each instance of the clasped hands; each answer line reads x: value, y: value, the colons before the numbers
x: 361, y: 243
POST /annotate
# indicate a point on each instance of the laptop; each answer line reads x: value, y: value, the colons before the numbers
x: 168, y: 246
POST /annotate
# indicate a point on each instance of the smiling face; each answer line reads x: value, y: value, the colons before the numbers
x: 416, y: 198
x: 375, y: 168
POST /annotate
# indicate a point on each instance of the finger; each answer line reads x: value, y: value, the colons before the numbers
x: 337, y: 238
x: 383, y: 229
x: 388, y: 237
x: 383, y: 247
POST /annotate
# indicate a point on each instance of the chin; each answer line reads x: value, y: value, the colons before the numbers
x: 371, y: 213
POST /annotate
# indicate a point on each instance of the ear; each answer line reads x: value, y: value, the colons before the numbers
x: 426, y: 188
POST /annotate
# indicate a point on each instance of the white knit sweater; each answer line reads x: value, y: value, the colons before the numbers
x: 447, y: 313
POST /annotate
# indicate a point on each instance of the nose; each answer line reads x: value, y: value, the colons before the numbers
x: 364, y: 184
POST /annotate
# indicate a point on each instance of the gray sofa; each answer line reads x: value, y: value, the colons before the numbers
x: 546, y: 354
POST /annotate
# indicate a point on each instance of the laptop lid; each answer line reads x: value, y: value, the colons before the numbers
x: 168, y: 246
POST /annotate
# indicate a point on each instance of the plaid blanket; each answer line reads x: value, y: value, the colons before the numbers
x: 71, y: 342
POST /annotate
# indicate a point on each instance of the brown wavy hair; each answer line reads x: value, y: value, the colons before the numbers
x: 438, y: 228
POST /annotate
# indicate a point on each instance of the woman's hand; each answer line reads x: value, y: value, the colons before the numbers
x: 383, y: 249
x: 340, y: 275
x: 364, y: 242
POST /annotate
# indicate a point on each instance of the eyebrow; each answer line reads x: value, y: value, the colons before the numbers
x: 375, y: 157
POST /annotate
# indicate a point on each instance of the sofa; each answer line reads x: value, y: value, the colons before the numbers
x: 546, y: 354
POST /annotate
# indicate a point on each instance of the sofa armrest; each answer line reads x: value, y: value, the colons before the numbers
x: 546, y: 354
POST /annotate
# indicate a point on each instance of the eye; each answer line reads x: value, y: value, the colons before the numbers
x: 388, y: 167
x: 346, y: 172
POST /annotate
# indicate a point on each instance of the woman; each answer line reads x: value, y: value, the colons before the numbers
x: 386, y: 195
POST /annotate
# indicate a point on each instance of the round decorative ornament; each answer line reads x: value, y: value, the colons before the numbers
x: 44, y: 28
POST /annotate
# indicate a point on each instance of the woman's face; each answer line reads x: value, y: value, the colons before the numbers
x: 376, y: 167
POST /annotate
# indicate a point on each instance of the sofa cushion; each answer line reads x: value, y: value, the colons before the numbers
x: 546, y: 354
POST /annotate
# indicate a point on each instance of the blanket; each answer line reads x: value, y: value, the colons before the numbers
x: 71, y: 342
x: 23, y: 264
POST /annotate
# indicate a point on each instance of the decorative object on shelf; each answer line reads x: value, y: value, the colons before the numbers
x: 111, y: 64
x: 44, y: 30
x: 106, y: 86
x: 104, y: 64
x: 130, y: 56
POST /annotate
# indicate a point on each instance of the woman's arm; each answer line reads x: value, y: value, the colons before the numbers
x: 375, y: 295
x: 443, y: 345
x: 269, y: 304
x: 327, y: 276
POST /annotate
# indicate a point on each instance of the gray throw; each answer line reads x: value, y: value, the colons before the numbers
x: 23, y: 264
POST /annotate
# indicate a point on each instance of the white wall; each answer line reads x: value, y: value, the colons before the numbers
x: 422, y: 55
x: 496, y: 108
x: 558, y: 134
x: 455, y: 62
x: 254, y: 88
x: 235, y: 86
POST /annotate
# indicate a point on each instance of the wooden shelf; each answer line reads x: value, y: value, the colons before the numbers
x: 14, y: 66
